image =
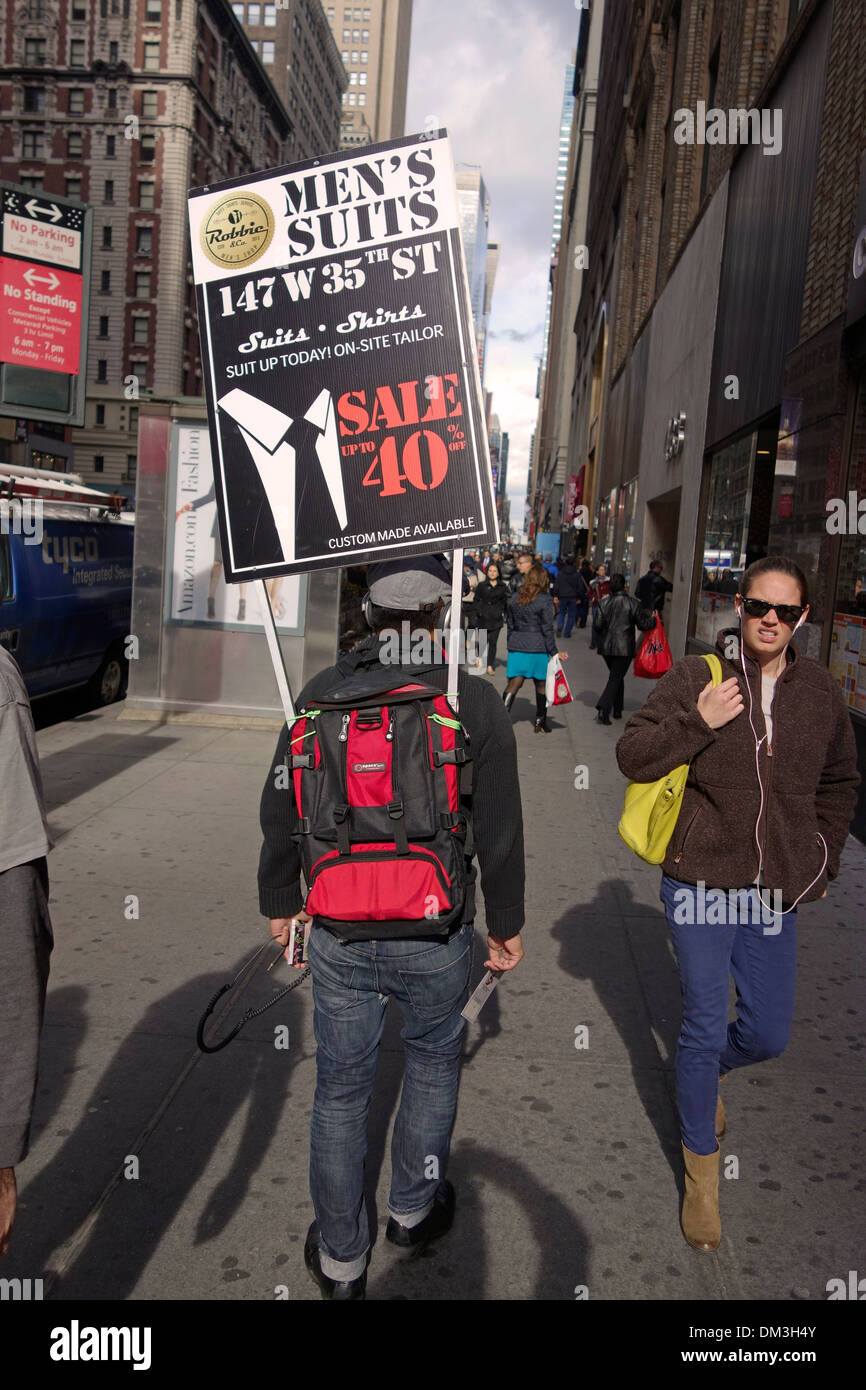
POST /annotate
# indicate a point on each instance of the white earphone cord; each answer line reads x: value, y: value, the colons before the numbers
x: 758, y: 743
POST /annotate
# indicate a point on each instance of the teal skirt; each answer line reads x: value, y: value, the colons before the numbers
x: 530, y: 664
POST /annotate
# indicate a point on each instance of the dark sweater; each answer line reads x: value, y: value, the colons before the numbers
x: 497, y: 818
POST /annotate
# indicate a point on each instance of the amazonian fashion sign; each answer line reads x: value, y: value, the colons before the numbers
x: 340, y: 362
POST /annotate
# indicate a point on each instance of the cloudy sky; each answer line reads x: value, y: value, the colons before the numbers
x: 492, y: 72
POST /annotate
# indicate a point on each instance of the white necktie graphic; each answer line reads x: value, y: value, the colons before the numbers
x: 263, y: 429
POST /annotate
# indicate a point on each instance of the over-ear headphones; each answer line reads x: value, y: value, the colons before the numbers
x: 372, y: 614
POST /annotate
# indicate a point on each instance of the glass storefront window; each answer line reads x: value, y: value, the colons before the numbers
x: 725, y: 536
x: 629, y: 515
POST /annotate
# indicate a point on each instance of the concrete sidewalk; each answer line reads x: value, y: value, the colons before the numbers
x: 565, y: 1159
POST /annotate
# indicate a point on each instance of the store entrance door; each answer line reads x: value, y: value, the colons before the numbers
x: 660, y: 532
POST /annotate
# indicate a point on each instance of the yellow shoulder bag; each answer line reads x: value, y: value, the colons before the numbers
x: 651, y: 808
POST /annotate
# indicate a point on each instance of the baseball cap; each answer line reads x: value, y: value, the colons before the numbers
x: 409, y: 585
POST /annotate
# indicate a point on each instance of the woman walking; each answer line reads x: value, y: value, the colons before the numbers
x: 531, y: 641
x: 491, y: 601
x: 770, y: 794
x: 613, y: 625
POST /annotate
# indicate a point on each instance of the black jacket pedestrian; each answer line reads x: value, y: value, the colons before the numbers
x: 569, y: 583
x: 497, y: 819
x: 650, y: 590
x: 530, y: 625
x: 614, y: 621
x: 490, y: 603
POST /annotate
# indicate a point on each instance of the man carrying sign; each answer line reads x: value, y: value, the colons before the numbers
x: 428, y: 976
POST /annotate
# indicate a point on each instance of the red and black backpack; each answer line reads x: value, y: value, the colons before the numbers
x: 382, y: 788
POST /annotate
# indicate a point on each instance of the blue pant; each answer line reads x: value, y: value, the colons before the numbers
x: 567, y: 614
x: 351, y: 986
x: 760, y: 951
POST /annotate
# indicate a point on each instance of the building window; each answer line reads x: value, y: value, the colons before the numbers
x: 133, y: 419
x: 153, y: 11
x: 34, y: 53
x: 139, y: 329
x: 74, y: 144
x: 102, y: 369
x: 365, y: 36
x: 31, y: 183
x: 142, y: 284
x: 362, y: 98
x: 147, y: 152
x: 112, y: 99
x: 267, y: 51
x: 254, y: 45
x: 76, y: 101
x: 363, y: 55
x: 106, y: 238
x: 113, y: 51
x: 354, y: 55
x: 31, y: 144
x: 254, y: 15
x: 347, y: 34
x: 73, y: 188
x: 238, y: 12
x: 108, y: 193
x: 149, y: 103
x: 353, y: 79
x: 353, y: 100
x: 138, y: 367
x: 110, y: 146
x: 99, y: 463
x: 270, y: 16
x: 79, y: 11
x: 100, y: 415
x: 362, y: 78
x: 151, y: 57
x: 131, y: 463
x: 105, y: 283
x: 103, y: 325
x: 143, y: 241
x: 146, y: 189
x: 345, y: 55
x: 34, y: 99
x: 77, y: 53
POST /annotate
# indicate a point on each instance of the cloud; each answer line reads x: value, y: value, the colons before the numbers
x: 493, y: 73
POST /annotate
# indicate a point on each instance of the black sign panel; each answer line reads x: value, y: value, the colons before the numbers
x: 340, y: 362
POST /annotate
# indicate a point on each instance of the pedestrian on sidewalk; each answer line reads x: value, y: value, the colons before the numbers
x: 572, y: 593
x: 427, y: 974
x: 652, y: 587
x: 26, y: 938
x: 531, y: 641
x: 599, y: 588
x: 764, y: 818
x: 613, y: 627
x: 491, y: 601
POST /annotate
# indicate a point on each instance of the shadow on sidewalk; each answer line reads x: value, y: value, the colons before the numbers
x: 127, y: 1231
x: 585, y: 953
x: 72, y: 772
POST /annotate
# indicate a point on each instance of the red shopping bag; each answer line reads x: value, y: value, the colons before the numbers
x: 654, y: 654
x: 556, y: 690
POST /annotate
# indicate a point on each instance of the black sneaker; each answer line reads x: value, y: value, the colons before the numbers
x: 435, y: 1223
x: 340, y: 1290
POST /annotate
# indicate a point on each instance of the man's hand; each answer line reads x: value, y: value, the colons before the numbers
x: 281, y: 928
x: 8, y: 1206
x: 718, y: 705
x: 504, y: 955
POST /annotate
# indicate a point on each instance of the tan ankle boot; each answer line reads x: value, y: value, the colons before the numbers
x: 700, y: 1220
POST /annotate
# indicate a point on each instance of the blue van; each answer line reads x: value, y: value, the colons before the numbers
x: 65, y: 588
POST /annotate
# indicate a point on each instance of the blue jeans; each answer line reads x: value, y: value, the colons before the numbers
x: 567, y: 614
x: 351, y: 987
x: 760, y: 951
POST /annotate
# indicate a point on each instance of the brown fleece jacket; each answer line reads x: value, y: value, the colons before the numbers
x: 810, y: 776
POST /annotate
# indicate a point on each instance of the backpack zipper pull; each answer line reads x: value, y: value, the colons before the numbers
x: 390, y: 734
x: 344, y: 732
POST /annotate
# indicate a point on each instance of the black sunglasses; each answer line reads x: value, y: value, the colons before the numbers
x: 789, y: 613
